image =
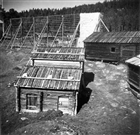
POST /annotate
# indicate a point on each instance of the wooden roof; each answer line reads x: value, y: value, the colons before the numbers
x: 56, y: 78
x: 59, y: 54
x: 134, y: 61
x: 114, y: 37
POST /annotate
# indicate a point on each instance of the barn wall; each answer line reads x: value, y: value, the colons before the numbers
x: 134, y: 75
x: 129, y: 51
x: 102, y: 51
x: 57, y: 100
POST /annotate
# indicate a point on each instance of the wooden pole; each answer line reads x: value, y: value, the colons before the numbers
x: 41, y: 101
x: 18, y: 100
x: 47, y: 30
x: 22, y: 30
x: 62, y: 28
x: 34, y: 34
x: 11, y: 27
x: 76, y: 103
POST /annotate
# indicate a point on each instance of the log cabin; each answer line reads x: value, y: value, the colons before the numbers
x: 52, y: 81
x: 134, y: 75
x: 112, y: 46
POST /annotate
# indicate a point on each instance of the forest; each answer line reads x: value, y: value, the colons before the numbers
x: 118, y: 15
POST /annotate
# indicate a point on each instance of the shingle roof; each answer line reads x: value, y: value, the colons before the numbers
x: 57, y: 78
x: 134, y: 61
x: 114, y: 37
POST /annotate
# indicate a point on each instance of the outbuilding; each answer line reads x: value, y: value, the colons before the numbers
x: 112, y: 46
x: 134, y: 75
x: 51, y: 80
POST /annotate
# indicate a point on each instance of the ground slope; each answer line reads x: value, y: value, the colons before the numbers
x: 110, y: 110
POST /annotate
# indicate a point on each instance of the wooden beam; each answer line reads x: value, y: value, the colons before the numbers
x: 41, y: 101
x: 68, y: 60
x: 49, y: 90
x: 76, y: 103
x: 53, y: 79
x: 18, y: 100
x: 80, y: 54
x: 54, y: 66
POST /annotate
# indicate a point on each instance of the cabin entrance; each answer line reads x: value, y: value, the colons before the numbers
x: 64, y: 105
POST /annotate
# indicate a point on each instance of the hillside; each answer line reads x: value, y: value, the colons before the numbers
x: 119, y: 15
x: 111, y: 108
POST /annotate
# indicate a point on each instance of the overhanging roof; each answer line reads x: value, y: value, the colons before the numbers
x: 134, y: 61
x: 114, y: 37
x: 57, y: 78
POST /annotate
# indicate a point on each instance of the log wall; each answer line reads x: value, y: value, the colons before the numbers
x: 134, y: 76
x: 100, y: 51
x: 57, y: 100
x: 104, y: 51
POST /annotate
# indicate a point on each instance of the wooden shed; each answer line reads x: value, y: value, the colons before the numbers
x: 112, y: 46
x: 134, y: 75
x: 50, y: 82
x: 62, y: 56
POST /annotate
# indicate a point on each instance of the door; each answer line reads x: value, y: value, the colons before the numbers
x: 64, y: 105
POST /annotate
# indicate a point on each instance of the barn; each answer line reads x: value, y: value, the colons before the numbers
x: 112, y: 46
x: 134, y: 75
x: 52, y: 80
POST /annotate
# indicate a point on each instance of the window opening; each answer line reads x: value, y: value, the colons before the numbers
x: 113, y: 49
x: 31, y: 101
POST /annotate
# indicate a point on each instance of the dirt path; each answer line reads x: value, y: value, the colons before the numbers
x: 112, y: 109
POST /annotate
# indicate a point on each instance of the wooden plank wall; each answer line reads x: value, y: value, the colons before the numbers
x: 129, y: 51
x: 50, y: 100
x: 101, y: 51
x: 134, y: 75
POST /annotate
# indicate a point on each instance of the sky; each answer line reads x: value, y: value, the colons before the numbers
x: 20, y: 5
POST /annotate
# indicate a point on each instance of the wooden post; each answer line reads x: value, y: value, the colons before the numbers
x: 18, y: 100
x: 34, y: 34
x: 41, y: 101
x: 83, y: 67
x: 47, y: 30
x: 76, y: 103
x: 21, y: 30
x: 33, y: 62
x: 62, y: 28
x: 11, y: 27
